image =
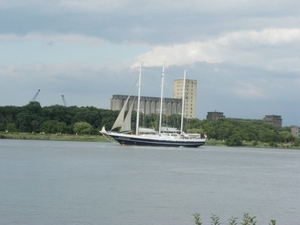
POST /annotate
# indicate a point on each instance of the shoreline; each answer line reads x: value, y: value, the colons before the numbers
x: 51, y: 137
x: 99, y: 138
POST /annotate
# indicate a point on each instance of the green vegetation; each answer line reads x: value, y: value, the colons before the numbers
x: 61, y: 120
x: 51, y: 137
x: 247, y: 220
x: 82, y: 128
x: 56, y: 119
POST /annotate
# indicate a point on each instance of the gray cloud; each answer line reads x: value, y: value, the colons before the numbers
x: 136, y: 21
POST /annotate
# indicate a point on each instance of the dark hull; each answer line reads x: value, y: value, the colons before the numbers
x: 136, y: 140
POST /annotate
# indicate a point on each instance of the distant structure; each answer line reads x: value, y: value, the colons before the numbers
x: 64, y: 101
x: 35, y: 96
x: 214, y: 115
x: 274, y: 119
x: 190, y: 102
x: 295, y: 130
x: 148, y: 105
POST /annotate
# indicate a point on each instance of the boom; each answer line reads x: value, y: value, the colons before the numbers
x: 63, y: 98
x: 35, y: 96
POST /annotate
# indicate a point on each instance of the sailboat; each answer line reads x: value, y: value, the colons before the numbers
x: 165, y: 137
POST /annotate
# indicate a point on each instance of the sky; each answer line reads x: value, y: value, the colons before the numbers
x: 244, y: 54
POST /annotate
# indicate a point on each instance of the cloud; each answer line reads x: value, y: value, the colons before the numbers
x: 252, y: 38
x: 243, y: 47
x: 285, y: 64
x: 182, y: 54
x: 248, y: 90
x: 200, y: 6
x: 153, y: 23
x: 79, y: 6
x: 51, y: 37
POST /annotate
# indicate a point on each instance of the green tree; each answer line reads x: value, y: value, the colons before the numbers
x: 224, y: 130
x: 296, y: 143
x: 82, y: 128
x: 285, y: 136
x: 90, y: 115
x: 30, y: 117
x: 2, y: 126
x: 35, y: 126
x: 24, y: 122
x: 59, y: 113
x: 8, y: 114
x: 11, y: 127
x: 234, y: 140
x: 53, y: 127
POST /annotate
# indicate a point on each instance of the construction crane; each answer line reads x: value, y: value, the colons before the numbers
x: 63, y: 98
x: 35, y: 96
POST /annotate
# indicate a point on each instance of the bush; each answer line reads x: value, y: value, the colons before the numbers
x: 82, y: 128
x: 53, y: 126
x: 234, y: 140
x: 11, y: 127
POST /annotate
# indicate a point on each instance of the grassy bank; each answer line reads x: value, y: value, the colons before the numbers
x: 99, y: 138
x: 52, y: 137
x: 253, y: 144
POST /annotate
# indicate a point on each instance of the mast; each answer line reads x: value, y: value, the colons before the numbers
x: 138, y: 102
x: 183, y: 98
x: 161, y: 97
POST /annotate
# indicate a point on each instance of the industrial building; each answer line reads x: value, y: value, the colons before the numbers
x: 275, y: 119
x: 149, y: 105
x: 215, y: 115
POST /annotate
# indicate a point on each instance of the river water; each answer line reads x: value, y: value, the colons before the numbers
x: 51, y: 182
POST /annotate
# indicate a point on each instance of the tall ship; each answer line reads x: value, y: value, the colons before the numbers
x: 164, y: 137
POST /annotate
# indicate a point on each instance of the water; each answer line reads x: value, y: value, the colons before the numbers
x: 49, y: 182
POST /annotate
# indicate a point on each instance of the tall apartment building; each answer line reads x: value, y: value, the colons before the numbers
x: 190, y: 102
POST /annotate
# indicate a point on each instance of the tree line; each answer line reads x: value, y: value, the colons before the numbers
x: 89, y: 120
x: 53, y: 119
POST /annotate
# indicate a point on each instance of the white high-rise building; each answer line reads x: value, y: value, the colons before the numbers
x: 190, y: 103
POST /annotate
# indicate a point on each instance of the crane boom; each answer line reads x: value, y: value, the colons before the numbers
x: 35, y: 96
x: 63, y: 98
